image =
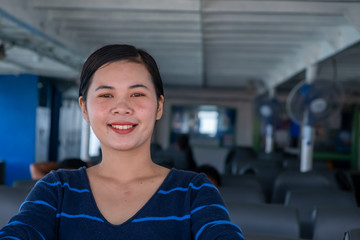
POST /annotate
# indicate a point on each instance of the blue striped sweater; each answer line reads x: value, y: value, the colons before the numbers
x: 61, y: 206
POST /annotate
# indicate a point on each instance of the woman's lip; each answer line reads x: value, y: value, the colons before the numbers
x: 122, y: 124
x: 123, y: 127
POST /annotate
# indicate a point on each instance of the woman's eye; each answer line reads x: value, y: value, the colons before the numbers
x: 137, y: 94
x: 106, y: 95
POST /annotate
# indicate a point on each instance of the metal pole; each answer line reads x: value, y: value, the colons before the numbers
x: 269, y: 129
x: 269, y: 143
x: 307, y: 130
x: 306, y: 148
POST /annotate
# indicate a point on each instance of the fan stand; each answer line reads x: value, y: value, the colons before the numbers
x: 306, y: 160
x: 269, y: 143
x: 269, y: 129
x: 307, y: 144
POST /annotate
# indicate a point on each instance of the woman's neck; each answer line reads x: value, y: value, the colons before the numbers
x: 126, y: 165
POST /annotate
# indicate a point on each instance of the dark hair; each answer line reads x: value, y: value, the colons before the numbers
x: 183, y: 141
x: 72, y: 163
x: 118, y: 52
x: 211, y: 172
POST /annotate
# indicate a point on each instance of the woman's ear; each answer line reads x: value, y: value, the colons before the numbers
x: 83, y: 108
x: 160, y: 108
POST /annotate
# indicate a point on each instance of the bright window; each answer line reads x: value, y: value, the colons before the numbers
x: 208, y: 122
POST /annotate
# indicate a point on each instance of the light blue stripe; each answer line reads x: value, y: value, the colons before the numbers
x: 183, y: 189
x: 179, y: 218
x: 9, y: 237
x: 78, y: 216
x: 214, y: 223
x: 202, y: 185
x: 240, y: 235
x: 21, y: 223
x: 162, y: 218
x: 64, y: 185
x: 172, y: 190
x: 38, y: 202
x: 211, y: 205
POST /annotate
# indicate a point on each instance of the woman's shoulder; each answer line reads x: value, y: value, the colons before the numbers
x: 186, y: 174
x: 66, y: 176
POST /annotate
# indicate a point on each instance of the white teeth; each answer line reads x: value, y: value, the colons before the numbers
x: 122, y: 127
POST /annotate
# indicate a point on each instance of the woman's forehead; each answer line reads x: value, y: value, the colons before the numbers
x: 123, y: 72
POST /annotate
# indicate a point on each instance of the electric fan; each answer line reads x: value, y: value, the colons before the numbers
x: 269, y: 110
x: 311, y: 103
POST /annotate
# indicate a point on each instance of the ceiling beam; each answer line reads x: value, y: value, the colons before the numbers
x: 133, y: 26
x: 286, y: 27
x: 279, y: 7
x: 123, y: 15
x: 266, y: 18
x: 174, y: 5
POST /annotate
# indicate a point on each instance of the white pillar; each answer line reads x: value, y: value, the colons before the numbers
x: 85, y: 138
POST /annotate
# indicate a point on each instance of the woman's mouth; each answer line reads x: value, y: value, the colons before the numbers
x: 122, y: 128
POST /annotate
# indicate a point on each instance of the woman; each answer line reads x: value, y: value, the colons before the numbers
x: 126, y: 196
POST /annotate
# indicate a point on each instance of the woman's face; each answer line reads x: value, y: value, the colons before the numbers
x: 122, y: 106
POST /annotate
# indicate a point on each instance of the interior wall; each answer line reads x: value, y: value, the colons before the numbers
x: 18, y: 102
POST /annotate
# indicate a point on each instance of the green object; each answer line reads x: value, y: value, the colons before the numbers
x: 355, y: 140
x: 353, y: 156
x: 331, y: 156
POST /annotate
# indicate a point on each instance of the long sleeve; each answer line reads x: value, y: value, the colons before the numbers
x: 37, y: 215
x: 210, y: 219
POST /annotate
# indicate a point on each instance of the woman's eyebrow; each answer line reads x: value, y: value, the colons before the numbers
x: 112, y: 88
x: 104, y: 87
x: 138, y: 86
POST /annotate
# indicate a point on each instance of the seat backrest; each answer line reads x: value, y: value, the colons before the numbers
x: 330, y: 223
x: 236, y: 157
x: 266, y: 171
x: 293, y: 164
x: 242, y: 193
x: 265, y: 218
x: 11, y: 199
x: 306, y: 200
x: 257, y: 236
x: 352, y: 234
x: 26, y: 183
x: 291, y: 180
x: 241, y: 180
x: 274, y: 155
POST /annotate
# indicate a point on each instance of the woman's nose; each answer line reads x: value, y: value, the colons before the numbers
x: 122, y: 107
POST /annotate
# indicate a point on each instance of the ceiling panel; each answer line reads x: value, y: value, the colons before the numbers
x: 197, y: 43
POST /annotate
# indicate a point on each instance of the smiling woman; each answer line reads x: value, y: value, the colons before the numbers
x: 121, y: 102
x: 127, y: 195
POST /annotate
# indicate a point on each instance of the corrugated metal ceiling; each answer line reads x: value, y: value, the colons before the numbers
x: 197, y: 43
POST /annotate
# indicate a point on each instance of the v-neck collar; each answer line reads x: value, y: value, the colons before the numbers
x: 143, y: 208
